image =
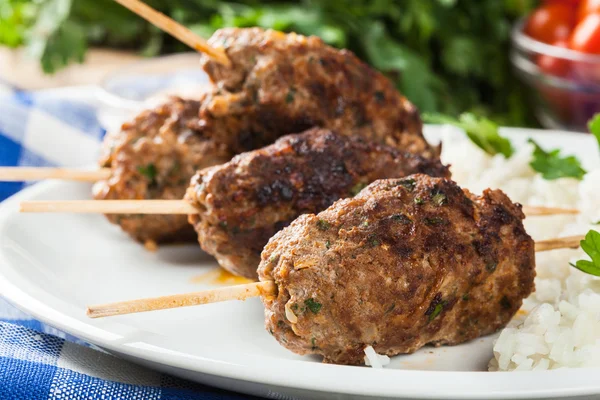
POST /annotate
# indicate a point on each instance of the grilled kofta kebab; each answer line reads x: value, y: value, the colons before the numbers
x: 278, y: 84
x: 285, y: 83
x: 405, y: 263
x: 246, y: 201
x: 153, y: 157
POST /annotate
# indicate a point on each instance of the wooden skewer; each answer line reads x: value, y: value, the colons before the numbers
x: 173, y: 207
x: 536, y: 210
x: 176, y: 30
x: 11, y: 174
x: 570, y: 242
x: 110, y: 206
x: 243, y: 292
x: 238, y: 292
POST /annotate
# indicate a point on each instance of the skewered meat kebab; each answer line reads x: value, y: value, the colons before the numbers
x: 236, y: 207
x: 397, y: 267
x: 332, y: 88
x: 277, y: 84
x: 246, y: 201
x: 153, y: 157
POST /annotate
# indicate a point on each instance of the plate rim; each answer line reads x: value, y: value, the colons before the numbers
x: 394, y: 382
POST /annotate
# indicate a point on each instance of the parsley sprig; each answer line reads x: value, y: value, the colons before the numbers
x: 552, y: 166
x: 594, y: 127
x: 591, y: 245
x: 482, y: 131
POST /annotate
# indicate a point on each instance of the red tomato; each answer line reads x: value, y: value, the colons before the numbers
x: 573, y: 3
x: 587, y: 7
x: 552, y: 65
x: 551, y: 22
x: 586, y: 36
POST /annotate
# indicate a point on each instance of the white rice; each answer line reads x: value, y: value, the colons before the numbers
x: 372, y: 359
x: 560, y: 322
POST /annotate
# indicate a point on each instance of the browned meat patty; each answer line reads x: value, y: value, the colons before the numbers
x: 279, y: 84
x: 153, y: 157
x: 284, y: 83
x: 244, y: 202
x: 406, y: 263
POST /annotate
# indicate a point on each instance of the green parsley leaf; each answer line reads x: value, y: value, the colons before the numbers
x: 552, y: 166
x: 594, y: 127
x: 591, y: 245
x: 482, y: 131
x: 313, y: 305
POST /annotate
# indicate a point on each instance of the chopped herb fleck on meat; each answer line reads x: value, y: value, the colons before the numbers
x: 408, y: 184
x: 373, y: 241
x: 403, y: 219
x: 323, y: 225
x: 291, y: 94
x: 419, y: 201
x: 439, y: 199
x: 436, y: 311
x: 313, y: 305
x: 436, y: 307
x: 434, y: 221
x: 149, y: 171
x: 327, y: 244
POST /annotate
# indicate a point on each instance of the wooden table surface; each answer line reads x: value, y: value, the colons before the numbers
x: 21, y: 71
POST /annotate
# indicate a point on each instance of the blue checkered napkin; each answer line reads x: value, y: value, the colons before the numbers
x: 36, y: 360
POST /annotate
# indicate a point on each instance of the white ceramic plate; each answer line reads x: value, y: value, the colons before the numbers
x: 52, y: 266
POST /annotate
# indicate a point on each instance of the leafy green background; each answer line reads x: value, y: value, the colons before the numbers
x: 446, y: 56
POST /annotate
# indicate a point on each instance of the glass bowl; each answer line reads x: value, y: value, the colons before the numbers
x: 143, y: 84
x: 564, y: 97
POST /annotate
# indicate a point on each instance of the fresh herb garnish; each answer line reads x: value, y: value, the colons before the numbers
x: 594, y: 127
x: 323, y: 225
x: 313, y: 305
x: 149, y: 171
x: 327, y: 244
x: 419, y: 201
x: 552, y: 166
x: 482, y: 131
x: 591, y: 246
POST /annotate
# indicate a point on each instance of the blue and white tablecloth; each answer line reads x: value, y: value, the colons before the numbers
x: 36, y: 360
